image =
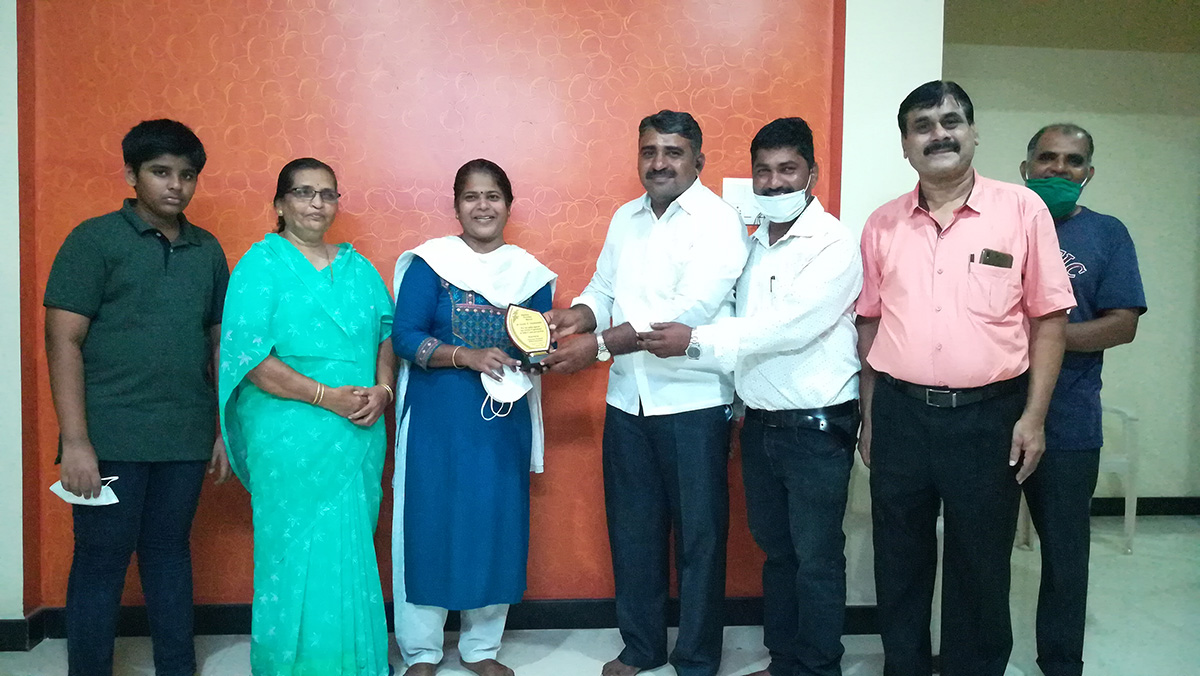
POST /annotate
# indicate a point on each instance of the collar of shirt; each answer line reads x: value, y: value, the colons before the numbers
x: 688, y: 201
x: 187, y: 234
x: 976, y: 200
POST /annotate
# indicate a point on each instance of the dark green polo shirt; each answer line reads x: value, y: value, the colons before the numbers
x: 148, y: 389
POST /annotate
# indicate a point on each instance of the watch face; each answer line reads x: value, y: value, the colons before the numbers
x: 693, y: 351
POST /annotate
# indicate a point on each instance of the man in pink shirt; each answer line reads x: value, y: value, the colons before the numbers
x: 961, y: 334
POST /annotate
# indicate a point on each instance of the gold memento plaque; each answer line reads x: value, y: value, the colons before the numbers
x: 529, y: 331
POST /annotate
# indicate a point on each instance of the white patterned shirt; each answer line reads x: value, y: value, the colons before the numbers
x: 792, y: 343
x: 678, y: 268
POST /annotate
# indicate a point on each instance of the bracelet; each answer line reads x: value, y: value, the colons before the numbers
x: 320, y: 395
x: 455, y: 354
x: 391, y: 393
x: 316, y: 395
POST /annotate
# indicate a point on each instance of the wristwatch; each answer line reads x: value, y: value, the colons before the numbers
x: 602, y: 353
x: 693, y: 348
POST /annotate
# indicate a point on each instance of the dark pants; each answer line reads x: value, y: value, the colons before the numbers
x: 1060, y: 498
x: 923, y: 458
x: 153, y: 518
x: 797, y: 481
x: 662, y: 472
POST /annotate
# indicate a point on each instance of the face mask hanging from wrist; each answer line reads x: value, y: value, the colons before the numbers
x: 783, y: 208
x: 503, y: 393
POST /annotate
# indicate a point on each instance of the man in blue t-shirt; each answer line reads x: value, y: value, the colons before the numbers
x: 1102, y: 265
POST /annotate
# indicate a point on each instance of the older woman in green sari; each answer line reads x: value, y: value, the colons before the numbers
x: 305, y: 376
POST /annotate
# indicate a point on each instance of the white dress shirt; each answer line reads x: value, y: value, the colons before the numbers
x: 678, y: 268
x: 792, y: 343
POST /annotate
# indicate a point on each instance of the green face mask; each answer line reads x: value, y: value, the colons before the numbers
x: 1059, y: 194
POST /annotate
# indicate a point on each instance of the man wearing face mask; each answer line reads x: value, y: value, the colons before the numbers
x: 791, y: 347
x: 1102, y: 264
x: 961, y: 322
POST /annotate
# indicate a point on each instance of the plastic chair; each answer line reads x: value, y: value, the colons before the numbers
x: 1120, y: 458
x: 1123, y: 461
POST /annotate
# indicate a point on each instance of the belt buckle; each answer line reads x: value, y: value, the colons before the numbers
x: 952, y: 394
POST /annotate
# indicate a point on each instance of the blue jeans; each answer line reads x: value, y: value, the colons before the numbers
x: 1059, y: 493
x: 663, y: 472
x: 153, y: 518
x: 797, y: 483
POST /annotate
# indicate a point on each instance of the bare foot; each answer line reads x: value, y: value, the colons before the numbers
x: 618, y: 668
x: 421, y: 669
x: 487, y: 668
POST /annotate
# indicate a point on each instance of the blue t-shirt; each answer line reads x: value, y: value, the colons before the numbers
x: 1102, y: 265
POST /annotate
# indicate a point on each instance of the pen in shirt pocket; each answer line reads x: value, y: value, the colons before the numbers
x: 771, y: 284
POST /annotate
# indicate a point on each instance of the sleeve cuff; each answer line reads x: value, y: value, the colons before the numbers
x: 603, y: 317
x: 425, y: 352
x: 721, y: 341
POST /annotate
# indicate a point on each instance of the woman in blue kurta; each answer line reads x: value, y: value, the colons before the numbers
x: 461, y: 526
x: 305, y: 376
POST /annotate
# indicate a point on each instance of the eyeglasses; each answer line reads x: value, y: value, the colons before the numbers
x: 307, y: 193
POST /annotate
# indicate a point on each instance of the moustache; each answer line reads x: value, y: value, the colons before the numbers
x: 660, y: 173
x: 938, y: 146
x: 772, y: 192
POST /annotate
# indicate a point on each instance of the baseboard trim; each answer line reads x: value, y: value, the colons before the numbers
x: 1183, y: 506
x: 234, y: 618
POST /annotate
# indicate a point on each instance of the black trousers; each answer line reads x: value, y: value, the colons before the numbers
x: 1060, y: 499
x: 664, y: 472
x: 922, y: 459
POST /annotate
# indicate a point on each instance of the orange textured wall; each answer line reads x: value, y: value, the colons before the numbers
x: 396, y: 95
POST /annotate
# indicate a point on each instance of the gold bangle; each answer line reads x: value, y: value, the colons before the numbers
x: 320, y: 393
x: 316, y: 394
x: 391, y: 393
x: 454, y: 354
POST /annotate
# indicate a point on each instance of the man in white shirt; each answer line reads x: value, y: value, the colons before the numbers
x: 792, y: 349
x: 673, y: 253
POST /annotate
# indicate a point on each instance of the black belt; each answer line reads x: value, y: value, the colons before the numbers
x: 815, y: 419
x: 941, y: 397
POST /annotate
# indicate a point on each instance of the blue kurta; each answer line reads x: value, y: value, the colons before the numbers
x: 466, y: 507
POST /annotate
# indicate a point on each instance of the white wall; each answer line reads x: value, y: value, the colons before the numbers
x: 883, y: 64
x: 12, y: 566
x: 1143, y: 109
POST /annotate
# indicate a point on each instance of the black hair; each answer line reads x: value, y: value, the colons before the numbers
x: 154, y: 138
x: 786, y: 132
x: 483, y: 166
x: 1067, y: 128
x: 931, y: 95
x: 288, y: 174
x: 672, y: 122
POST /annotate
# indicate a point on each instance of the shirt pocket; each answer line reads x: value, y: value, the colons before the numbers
x: 992, y: 292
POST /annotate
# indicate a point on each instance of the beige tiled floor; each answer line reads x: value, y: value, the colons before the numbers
x: 1143, y: 619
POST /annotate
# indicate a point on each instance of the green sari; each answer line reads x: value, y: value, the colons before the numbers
x: 314, y: 477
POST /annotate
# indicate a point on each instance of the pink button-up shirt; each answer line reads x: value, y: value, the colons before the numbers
x: 947, y: 320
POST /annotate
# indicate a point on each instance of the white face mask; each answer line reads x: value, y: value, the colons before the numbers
x: 505, y: 392
x: 783, y: 208
x: 106, y: 497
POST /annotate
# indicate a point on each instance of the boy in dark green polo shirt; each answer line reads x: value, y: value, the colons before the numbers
x: 133, y: 312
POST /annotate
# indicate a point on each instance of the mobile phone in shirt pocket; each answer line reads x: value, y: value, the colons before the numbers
x: 992, y: 292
